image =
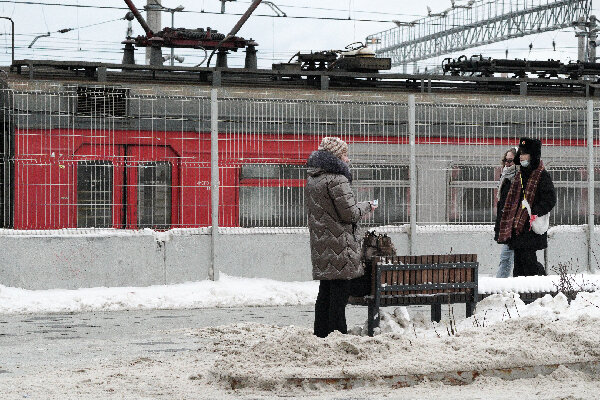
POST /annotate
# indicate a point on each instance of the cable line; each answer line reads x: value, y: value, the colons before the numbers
x: 38, y: 3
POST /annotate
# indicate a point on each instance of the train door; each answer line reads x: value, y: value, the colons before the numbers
x: 152, y: 190
x: 127, y: 186
x: 98, y: 173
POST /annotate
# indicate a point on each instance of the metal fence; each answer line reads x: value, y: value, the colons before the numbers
x: 464, y: 144
x: 112, y: 157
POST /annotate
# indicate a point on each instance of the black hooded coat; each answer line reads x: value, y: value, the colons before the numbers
x: 543, y: 203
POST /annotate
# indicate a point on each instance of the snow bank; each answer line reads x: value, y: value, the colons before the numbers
x: 504, y: 333
x: 492, y: 310
x: 228, y: 291
x: 532, y: 284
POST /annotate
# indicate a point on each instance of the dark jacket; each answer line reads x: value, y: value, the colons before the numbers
x: 504, y: 189
x: 544, y: 202
x: 333, y: 217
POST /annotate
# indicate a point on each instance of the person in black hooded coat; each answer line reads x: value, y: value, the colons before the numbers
x: 527, y: 242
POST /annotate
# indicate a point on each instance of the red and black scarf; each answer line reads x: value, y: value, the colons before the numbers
x: 514, y: 216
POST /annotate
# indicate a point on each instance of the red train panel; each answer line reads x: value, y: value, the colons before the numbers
x: 46, y: 172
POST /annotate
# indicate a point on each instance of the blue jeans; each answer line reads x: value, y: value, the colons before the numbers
x: 506, y: 262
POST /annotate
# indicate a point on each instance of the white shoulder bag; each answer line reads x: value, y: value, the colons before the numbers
x: 541, y: 223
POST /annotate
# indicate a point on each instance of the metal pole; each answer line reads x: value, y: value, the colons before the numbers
x: 246, y: 15
x: 154, y: 24
x: 580, y: 46
x: 591, y: 183
x: 13, y: 41
x: 413, y: 174
x: 214, y: 181
x: 12, y: 26
x: 173, y: 27
x: 593, y: 37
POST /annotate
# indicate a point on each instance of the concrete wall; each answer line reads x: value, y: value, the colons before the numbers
x: 74, y: 261
x: 146, y: 258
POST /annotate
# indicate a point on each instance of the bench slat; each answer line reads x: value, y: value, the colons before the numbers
x: 419, y: 288
x: 393, y: 267
x: 416, y: 270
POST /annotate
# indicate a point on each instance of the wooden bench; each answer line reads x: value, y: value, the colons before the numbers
x: 421, y: 280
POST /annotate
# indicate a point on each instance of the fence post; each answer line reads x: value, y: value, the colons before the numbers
x: 413, y: 174
x: 591, y: 183
x: 214, y: 182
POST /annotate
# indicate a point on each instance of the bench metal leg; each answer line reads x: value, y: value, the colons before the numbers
x: 436, y: 312
x: 373, y: 317
x: 370, y: 319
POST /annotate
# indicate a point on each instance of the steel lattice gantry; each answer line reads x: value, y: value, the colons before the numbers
x: 479, y: 23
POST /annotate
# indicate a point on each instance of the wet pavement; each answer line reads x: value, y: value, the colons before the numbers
x: 157, y: 354
x: 27, y: 340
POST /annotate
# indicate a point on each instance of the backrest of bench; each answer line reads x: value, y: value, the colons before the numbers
x: 425, y: 274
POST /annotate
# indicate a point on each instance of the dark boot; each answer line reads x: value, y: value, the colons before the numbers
x: 321, y: 327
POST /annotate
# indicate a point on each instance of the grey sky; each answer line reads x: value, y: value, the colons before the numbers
x: 278, y: 38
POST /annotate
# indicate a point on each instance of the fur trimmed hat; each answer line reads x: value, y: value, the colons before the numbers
x: 533, y: 147
x: 334, y: 145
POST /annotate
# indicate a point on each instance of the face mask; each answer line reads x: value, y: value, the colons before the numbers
x: 525, y: 163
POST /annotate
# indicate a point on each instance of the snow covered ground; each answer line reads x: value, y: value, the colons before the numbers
x: 504, y: 333
x: 265, y: 361
x: 228, y: 291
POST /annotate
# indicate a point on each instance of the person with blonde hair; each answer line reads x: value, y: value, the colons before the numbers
x: 333, y: 216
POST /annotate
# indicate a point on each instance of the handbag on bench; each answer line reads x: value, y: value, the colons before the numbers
x: 373, y: 245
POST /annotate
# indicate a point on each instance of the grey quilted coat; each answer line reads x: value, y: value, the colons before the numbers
x: 333, y: 216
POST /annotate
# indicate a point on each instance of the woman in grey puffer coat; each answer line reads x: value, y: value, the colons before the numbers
x: 333, y: 217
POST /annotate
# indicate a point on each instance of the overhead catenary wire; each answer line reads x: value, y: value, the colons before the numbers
x: 72, y: 40
x: 263, y: 50
x: 30, y: 2
x: 341, y: 10
x: 301, y: 17
x: 65, y: 30
x: 309, y: 17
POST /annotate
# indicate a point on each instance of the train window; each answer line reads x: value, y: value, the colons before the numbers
x: 571, y: 195
x: 472, y: 194
x: 97, y: 101
x: 390, y: 185
x: 272, y: 195
x: 94, y: 194
x: 274, y: 206
x: 272, y: 171
x: 154, y: 195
